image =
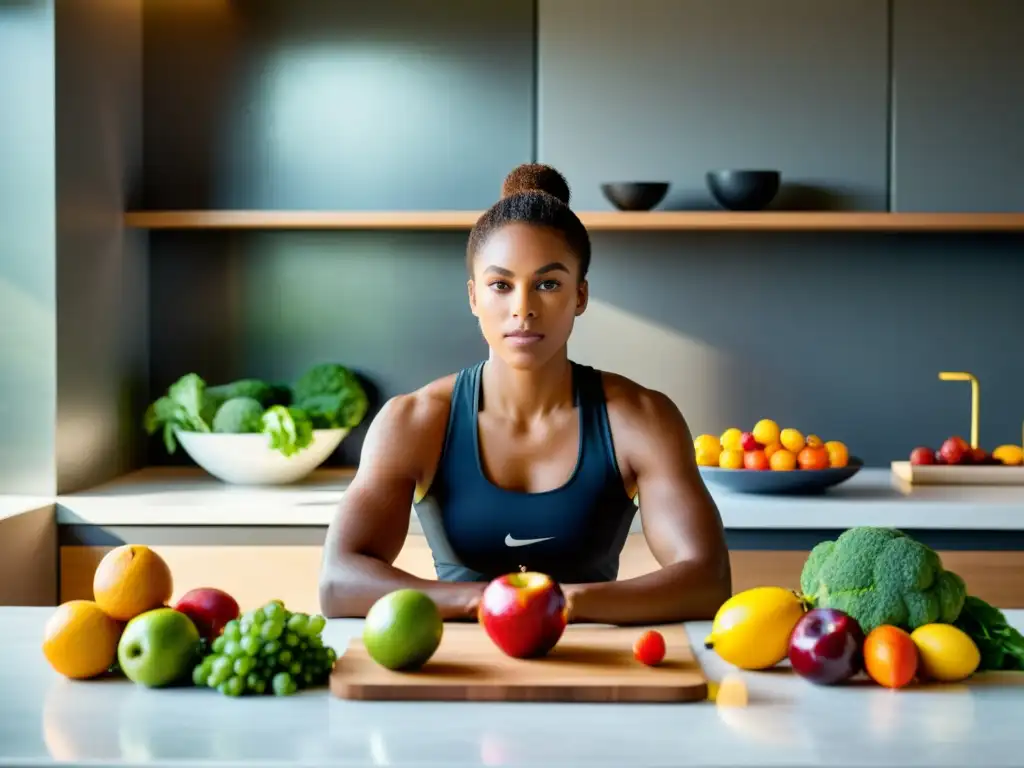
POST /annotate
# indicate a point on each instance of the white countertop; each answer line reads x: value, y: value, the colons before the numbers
x: 182, y: 496
x: 46, y: 720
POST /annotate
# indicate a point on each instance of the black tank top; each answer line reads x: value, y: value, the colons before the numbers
x: 477, y: 530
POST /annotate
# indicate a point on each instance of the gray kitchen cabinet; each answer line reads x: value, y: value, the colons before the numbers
x: 665, y: 90
x: 958, y: 105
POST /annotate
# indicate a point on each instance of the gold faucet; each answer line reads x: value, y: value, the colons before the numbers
x: 975, y: 398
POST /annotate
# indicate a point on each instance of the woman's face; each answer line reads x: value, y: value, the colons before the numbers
x: 526, y: 293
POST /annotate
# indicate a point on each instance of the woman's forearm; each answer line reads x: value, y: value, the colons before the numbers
x: 350, y: 587
x: 685, y: 591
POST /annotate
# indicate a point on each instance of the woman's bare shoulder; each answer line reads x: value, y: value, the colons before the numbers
x: 422, y: 410
x: 641, y: 415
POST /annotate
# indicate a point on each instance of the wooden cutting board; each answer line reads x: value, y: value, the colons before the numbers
x: 589, y: 664
x: 960, y: 474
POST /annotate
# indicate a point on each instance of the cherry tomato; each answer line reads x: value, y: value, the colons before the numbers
x: 649, y: 648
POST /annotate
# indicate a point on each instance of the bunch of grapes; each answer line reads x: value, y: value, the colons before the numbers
x: 267, y: 650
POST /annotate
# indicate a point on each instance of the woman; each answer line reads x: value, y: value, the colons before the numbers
x: 529, y: 461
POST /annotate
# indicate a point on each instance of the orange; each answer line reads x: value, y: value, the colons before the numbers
x: 838, y: 456
x: 131, y: 579
x: 770, y: 449
x: 890, y: 656
x: 766, y: 432
x: 783, y: 460
x: 814, y: 441
x: 755, y: 460
x: 813, y: 458
x: 730, y: 459
x: 80, y: 640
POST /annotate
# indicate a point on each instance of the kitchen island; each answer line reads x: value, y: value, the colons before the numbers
x: 47, y: 720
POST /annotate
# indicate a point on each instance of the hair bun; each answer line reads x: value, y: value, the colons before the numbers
x: 536, y: 177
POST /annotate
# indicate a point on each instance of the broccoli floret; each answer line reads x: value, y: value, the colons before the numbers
x: 331, y: 396
x: 239, y: 415
x: 882, y: 576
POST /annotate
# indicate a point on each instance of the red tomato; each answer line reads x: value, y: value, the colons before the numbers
x: 649, y: 648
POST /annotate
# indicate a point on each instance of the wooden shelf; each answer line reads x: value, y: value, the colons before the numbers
x: 594, y: 220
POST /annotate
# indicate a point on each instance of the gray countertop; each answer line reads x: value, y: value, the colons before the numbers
x: 45, y: 720
x: 187, y: 497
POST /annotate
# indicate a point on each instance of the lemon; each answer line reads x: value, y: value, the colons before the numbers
x: 709, y: 455
x: 708, y: 447
x: 792, y: 440
x: 945, y: 653
x: 730, y: 458
x: 1009, y: 454
x: 751, y: 630
x: 766, y: 432
x: 731, y: 438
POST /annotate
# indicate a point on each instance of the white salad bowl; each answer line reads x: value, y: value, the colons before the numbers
x: 248, y: 459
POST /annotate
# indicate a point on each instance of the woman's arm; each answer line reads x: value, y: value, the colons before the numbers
x: 372, y: 521
x: 680, y: 521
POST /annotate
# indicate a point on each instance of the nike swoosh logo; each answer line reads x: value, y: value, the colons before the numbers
x: 510, y: 542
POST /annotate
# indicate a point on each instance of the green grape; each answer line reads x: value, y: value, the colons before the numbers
x: 308, y: 678
x: 255, y: 683
x: 244, y: 627
x: 332, y: 655
x: 297, y: 623
x: 201, y: 674
x: 291, y: 639
x: 236, y: 686
x: 271, y: 630
x: 220, y: 670
x: 270, y: 648
x: 243, y: 665
x: 273, y: 611
x: 249, y: 645
x: 284, y: 658
x: 232, y: 630
x: 283, y: 684
x: 315, y: 642
x: 315, y: 625
x: 295, y: 668
x: 233, y: 649
x: 218, y: 644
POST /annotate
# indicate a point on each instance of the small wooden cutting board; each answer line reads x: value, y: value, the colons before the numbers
x: 589, y: 664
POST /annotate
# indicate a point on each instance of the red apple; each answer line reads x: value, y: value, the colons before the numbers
x: 954, y: 450
x: 748, y: 443
x: 922, y: 455
x: 524, y: 614
x: 209, y: 608
x: 825, y: 646
x: 978, y: 456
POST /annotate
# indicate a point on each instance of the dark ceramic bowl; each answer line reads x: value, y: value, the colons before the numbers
x: 797, y: 482
x: 744, y: 190
x: 635, y: 195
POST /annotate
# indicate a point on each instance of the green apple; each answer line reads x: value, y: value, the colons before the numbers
x: 403, y: 629
x: 159, y: 648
